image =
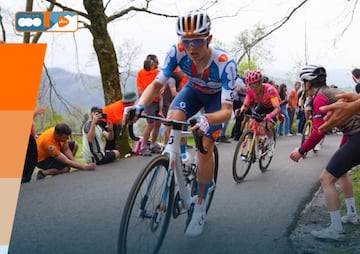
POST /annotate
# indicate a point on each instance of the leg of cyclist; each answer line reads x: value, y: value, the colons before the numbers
x: 185, y: 105
x: 347, y: 190
x: 269, y: 131
x: 344, y: 159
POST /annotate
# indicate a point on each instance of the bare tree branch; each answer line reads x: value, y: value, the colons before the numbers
x: 351, y: 18
x: 65, y: 8
x: 69, y: 107
x: 37, y: 35
x: 282, y: 22
x: 29, y: 6
x: 2, y: 28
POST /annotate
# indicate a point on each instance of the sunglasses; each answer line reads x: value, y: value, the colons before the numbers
x: 196, y: 42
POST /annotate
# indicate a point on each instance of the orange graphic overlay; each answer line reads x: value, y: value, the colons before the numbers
x: 20, y: 70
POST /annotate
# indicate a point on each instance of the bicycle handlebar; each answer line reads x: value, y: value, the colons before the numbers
x: 179, y: 125
x: 259, y: 118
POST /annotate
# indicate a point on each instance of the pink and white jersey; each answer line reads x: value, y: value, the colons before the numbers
x: 269, y: 99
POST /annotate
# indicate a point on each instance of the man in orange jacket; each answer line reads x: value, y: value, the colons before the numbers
x: 114, y: 113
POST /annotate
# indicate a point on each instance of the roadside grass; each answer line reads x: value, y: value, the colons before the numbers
x: 355, y: 176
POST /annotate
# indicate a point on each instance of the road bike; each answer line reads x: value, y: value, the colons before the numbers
x: 308, y: 127
x: 253, y: 146
x: 163, y: 188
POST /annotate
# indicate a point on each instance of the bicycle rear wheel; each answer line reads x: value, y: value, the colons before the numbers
x: 305, y: 134
x: 266, y: 157
x: 144, y: 221
x: 242, y: 159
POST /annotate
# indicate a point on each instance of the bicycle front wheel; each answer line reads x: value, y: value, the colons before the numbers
x: 243, y: 158
x: 147, y: 211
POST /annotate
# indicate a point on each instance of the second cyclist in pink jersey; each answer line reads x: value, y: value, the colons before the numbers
x: 264, y: 98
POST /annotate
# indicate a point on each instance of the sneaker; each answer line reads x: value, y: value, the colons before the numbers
x: 347, y: 219
x: 156, y: 145
x: 243, y: 157
x: 40, y: 175
x: 145, y: 152
x: 289, y: 135
x: 155, y: 150
x: 317, y: 147
x: 328, y: 233
x: 298, y: 134
x: 195, y: 221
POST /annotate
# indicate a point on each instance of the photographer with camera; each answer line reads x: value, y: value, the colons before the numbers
x: 114, y: 113
x: 93, y: 133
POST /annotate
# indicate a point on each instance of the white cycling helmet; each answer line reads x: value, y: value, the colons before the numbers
x: 313, y: 73
x: 192, y: 23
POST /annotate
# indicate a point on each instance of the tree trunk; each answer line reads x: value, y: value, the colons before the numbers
x: 106, y: 54
x: 104, y: 49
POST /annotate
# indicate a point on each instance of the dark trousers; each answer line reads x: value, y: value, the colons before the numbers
x: 236, y: 131
x: 110, y: 144
x: 301, y: 121
x: 30, y: 160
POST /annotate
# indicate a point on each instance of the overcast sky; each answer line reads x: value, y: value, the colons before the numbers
x: 324, y: 22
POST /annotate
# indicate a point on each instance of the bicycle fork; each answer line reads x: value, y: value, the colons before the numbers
x: 253, y: 146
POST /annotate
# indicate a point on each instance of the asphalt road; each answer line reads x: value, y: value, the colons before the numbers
x: 80, y: 212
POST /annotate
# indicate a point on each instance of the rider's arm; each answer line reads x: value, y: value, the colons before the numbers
x: 275, y: 102
x: 223, y: 115
x: 317, y: 118
x: 150, y: 92
x: 247, y: 101
x: 347, y: 105
x: 164, y: 74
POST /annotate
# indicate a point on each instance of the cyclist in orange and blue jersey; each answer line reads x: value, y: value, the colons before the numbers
x: 211, y: 75
x: 264, y: 97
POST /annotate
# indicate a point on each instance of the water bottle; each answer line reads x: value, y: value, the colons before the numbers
x: 261, y: 143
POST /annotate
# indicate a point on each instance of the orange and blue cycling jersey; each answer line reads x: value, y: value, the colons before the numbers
x: 269, y: 98
x: 218, y: 76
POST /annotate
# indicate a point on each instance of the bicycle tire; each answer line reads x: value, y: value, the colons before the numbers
x: 305, y: 134
x: 242, y: 162
x: 143, y: 231
x: 266, y: 158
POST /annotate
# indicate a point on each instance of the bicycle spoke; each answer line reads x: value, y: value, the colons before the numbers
x: 147, y: 212
x: 243, y: 157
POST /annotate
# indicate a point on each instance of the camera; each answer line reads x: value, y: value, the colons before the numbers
x: 103, y: 115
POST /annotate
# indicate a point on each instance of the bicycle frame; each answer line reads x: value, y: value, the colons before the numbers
x: 173, y: 152
x: 257, y: 128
